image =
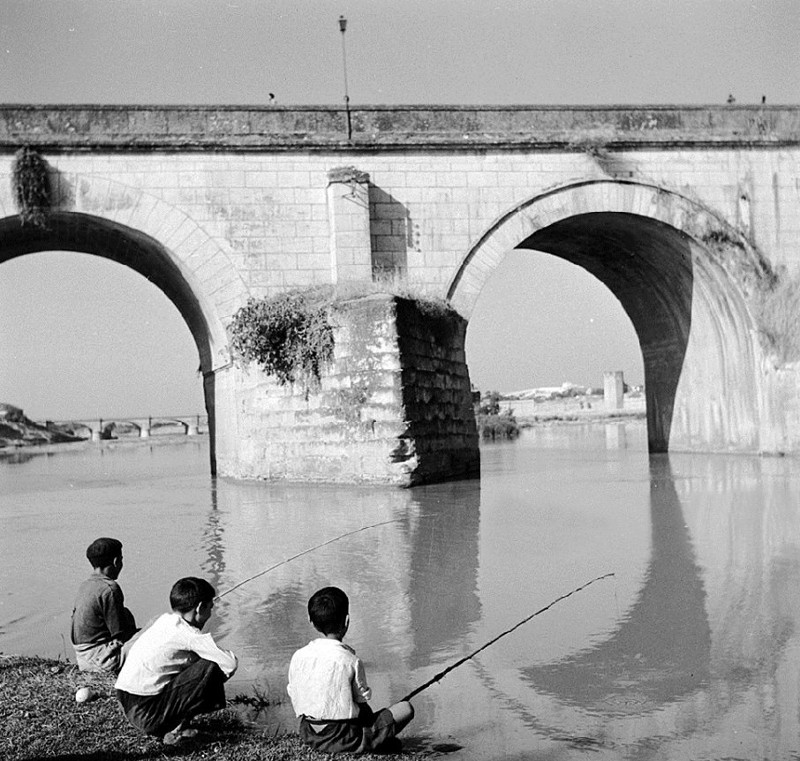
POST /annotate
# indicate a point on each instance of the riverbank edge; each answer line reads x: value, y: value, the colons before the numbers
x: 544, y: 419
x: 41, y: 719
x: 9, y: 451
x: 582, y: 417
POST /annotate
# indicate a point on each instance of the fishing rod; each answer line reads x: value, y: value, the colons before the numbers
x: 500, y: 636
x: 305, y: 552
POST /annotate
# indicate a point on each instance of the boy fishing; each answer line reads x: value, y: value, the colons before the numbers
x: 101, y: 624
x: 173, y: 671
x: 329, y: 690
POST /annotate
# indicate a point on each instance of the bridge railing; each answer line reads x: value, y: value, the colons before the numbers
x: 200, y: 128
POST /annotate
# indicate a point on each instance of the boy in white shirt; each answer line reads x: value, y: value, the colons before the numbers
x: 329, y: 690
x: 173, y: 672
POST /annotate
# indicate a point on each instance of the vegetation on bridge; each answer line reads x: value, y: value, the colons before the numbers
x: 775, y: 294
x: 30, y: 184
x: 778, y: 317
x: 290, y: 336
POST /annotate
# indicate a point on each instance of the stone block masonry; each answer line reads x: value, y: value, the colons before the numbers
x: 393, y: 408
x: 437, y: 393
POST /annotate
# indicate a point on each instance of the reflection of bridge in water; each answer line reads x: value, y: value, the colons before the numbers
x: 98, y: 429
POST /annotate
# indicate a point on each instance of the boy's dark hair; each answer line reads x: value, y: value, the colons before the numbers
x: 187, y: 593
x: 101, y: 552
x: 328, y: 609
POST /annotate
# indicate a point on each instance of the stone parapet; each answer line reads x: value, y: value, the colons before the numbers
x: 230, y: 128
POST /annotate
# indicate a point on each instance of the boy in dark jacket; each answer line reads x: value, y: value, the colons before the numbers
x: 101, y: 624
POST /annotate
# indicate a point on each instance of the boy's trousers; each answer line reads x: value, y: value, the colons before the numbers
x: 197, y: 689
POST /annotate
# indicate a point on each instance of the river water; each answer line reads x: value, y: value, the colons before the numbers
x: 691, y: 649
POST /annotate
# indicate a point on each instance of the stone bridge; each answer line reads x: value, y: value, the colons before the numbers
x: 143, y: 427
x: 689, y: 215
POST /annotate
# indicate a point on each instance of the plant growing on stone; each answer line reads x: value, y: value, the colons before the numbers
x: 777, y: 314
x: 30, y: 181
x: 288, y: 336
x: 437, y: 310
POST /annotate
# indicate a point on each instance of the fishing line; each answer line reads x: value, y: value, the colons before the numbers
x: 500, y: 636
x: 304, y: 552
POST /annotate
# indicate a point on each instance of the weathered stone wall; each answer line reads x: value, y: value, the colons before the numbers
x: 437, y: 393
x: 256, y: 224
x: 393, y: 408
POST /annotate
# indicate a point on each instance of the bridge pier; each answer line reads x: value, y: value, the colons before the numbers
x: 394, y: 407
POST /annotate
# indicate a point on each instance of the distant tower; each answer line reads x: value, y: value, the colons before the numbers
x: 613, y: 390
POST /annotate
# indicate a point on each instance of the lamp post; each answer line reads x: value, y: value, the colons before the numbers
x: 343, y: 29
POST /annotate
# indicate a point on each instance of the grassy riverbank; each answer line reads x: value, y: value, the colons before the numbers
x: 41, y: 720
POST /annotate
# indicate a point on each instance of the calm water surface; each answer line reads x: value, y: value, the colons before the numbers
x: 692, y: 650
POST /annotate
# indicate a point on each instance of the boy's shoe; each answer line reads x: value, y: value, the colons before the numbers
x: 392, y: 745
x: 178, y: 736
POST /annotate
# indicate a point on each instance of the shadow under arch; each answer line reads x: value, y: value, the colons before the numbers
x: 647, y: 265
x: 83, y: 233
x: 680, y: 273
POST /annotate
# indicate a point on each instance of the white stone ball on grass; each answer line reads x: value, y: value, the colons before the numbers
x: 84, y: 695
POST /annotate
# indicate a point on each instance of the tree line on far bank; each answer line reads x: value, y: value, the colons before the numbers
x: 492, y: 423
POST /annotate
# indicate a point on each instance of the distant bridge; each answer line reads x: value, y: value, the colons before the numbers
x: 143, y: 427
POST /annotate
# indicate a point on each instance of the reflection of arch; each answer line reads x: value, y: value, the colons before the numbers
x: 662, y: 649
x: 163, y: 422
x: 681, y: 274
x: 651, y: 673
x: 189, y: 267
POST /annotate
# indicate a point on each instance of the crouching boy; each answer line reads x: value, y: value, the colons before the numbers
x: 329, y: 690
x: 173, y: 672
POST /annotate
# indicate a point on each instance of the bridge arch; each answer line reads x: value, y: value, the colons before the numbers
x: 682, y: 274
x: 156, y: 240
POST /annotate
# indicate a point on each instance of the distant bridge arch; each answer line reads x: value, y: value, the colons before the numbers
x: 680, y: 272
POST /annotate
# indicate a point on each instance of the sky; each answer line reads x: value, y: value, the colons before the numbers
x: 80, y: 336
